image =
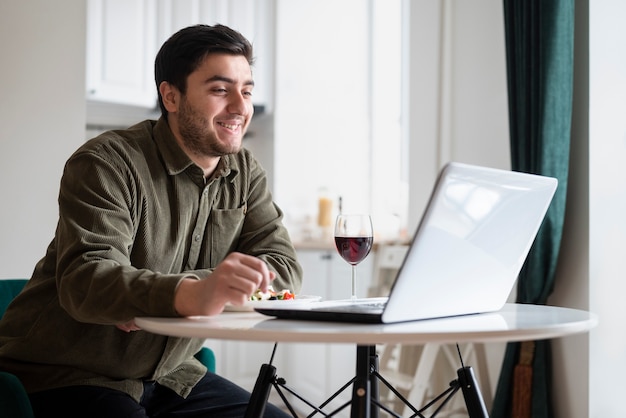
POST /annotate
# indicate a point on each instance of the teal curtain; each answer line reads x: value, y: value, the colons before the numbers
x: 540, y: 57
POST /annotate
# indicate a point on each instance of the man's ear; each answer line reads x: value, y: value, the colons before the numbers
x: 170, y: 96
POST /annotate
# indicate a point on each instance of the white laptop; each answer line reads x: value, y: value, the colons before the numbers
x: 465, y: 256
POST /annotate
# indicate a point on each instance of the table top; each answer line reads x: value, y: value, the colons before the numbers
x: 514, y: 322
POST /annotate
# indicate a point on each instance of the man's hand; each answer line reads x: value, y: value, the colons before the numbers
x: 233, y: 280
x: 128, y: 326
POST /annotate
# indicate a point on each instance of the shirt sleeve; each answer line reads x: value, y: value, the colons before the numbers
x: 96, y: 280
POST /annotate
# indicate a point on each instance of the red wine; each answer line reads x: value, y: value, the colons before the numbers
x: 354, y: 249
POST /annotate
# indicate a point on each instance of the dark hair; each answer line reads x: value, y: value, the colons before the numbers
x: 183, y: 52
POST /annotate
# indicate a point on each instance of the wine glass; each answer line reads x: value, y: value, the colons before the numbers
x: 353, y: 238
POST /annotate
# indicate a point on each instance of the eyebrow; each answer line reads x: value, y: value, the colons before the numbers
x: 228, y: 80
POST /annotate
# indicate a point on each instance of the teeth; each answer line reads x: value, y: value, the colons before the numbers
x: 228, y: 126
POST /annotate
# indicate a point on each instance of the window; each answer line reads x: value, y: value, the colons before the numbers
x: 338, y: 111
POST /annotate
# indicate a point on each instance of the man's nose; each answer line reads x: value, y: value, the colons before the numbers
x: 238, y: 104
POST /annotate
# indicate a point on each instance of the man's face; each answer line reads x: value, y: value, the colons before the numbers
x: 216, y: 110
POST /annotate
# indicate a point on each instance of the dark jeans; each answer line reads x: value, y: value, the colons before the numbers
x: 213, y: 397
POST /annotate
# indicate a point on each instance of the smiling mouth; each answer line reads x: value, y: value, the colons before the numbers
x: 229, y: 126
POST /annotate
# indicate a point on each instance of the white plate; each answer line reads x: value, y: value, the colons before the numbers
x: 250, y: 305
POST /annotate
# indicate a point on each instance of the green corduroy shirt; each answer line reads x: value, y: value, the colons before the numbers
x: 136, y: 215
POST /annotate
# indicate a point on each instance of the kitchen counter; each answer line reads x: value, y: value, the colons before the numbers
x: 329, y: 244
x: 314, y: 244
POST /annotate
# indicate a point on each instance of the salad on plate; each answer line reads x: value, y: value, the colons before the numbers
x: 271, y: 294
x: 261, y: 299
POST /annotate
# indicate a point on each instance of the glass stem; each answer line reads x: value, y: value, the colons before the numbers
x: 353, y: 281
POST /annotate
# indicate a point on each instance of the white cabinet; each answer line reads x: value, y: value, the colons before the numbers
x: 316, y: 371
x: 326, y: 274
x: 121, y: 46
x: 124, y: 36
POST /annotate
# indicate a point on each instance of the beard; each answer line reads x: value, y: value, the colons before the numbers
x: 198, y: 137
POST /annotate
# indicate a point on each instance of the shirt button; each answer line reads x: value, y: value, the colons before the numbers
x: 205, y: 191
x: 196, y: 238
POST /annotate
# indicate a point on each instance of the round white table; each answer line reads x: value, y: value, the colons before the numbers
x: 514, y: 322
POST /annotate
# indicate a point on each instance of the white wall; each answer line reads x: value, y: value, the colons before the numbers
x: 457, y: 100
x: 607, y: 203
x: 41, y: 122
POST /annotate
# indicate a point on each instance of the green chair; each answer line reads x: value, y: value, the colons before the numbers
x: 14, y: 401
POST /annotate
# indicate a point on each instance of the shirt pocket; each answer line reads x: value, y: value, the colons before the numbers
x: 226, y: 226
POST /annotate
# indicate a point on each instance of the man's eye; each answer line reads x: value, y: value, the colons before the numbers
x: 219, y: 90
x: 247, y: 93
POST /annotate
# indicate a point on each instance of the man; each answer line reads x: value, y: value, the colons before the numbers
x: 167, y: 218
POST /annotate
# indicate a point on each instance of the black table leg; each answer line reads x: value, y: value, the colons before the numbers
x: 374, y: 394
x: 365, y: 394
x: 365, y: 384
x: 261, y: 392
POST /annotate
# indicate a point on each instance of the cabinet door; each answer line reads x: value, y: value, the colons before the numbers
x: 253, y: 18
x: 328, y: 275
x: 121, y: 47
x: 339, y: 279
x: 315, y: 266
